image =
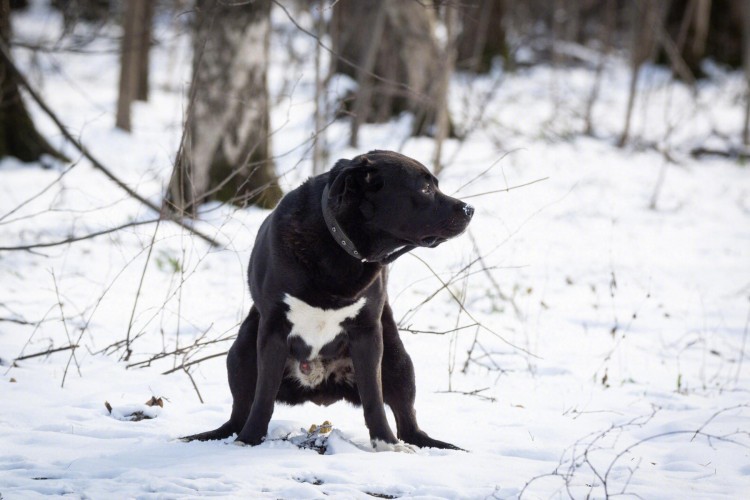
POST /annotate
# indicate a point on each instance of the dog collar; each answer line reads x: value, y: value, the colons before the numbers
x: 335, y: 229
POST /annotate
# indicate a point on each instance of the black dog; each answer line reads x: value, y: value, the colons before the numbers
x: 321, y: 328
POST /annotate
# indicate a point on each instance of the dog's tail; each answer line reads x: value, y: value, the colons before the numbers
x: 222, y: 432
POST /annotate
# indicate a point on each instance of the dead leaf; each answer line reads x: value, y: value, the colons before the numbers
x: 154, y: 401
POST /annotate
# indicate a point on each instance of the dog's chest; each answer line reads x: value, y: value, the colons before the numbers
x: 315, y: 326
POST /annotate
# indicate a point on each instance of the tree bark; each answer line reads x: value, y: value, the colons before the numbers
x: 406, y: 69
x: 18, y: 135
x: 225, y: 153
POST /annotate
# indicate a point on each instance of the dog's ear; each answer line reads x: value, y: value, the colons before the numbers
x: 351, y: 179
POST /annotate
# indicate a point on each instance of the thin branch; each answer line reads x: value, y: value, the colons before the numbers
x: 195, y: 362
x: 506, y: 189
x: 192, y: 381
x: 128, y: 350
x: 475, y: 392
x: 433, y: 332
x: 74, y: 239
x: 447, y: 288
x: 67, y: 334
x: 46, y: 353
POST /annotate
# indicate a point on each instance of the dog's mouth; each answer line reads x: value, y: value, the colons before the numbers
x: 432, y: 241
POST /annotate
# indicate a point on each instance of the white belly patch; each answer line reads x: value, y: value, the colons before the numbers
x: 316, y: 326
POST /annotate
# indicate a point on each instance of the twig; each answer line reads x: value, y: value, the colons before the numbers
x: 128, y: 350
x: 433, y: 332
x: 505, y: 190
x: 192, y: 381
x: 493, y: 281
x: 483, y: 172
x: 74, y: 239
x: 181, y: 350
x: 67, y: 334
x: 191, y: 363
x: 33, y: 332
x: 408, y: 90
x: 45, y: 353
x: 503, y: 339
x: 742, y: 351
x: 475, y: 393
x: 37, y: 195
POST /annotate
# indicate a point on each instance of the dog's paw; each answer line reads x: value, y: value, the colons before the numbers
x: 399, y: 446
x: 251, y: 441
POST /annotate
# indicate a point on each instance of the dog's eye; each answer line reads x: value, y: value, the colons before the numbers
x: 426, y: 189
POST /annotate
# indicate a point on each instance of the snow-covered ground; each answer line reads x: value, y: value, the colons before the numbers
x: 601, y: 343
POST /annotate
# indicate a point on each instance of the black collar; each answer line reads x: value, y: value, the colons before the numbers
x: 343, y: 240
x: 335, y: 229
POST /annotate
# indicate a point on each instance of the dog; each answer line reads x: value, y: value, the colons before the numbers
x: 321, y: 328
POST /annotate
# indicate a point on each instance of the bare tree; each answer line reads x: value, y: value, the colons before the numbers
x: 18, y: 135
x: 225, y: 154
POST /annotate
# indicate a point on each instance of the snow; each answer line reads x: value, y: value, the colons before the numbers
x: 611, y: 352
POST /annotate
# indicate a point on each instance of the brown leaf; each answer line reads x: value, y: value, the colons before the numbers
x: 108, y: 407
x: 154, y: 401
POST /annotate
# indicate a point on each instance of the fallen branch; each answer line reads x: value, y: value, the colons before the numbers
x: 475, y: 392
x: 5, y: 54
x: 734, y: 153
x: 73, y: 239
x: 46, y: 353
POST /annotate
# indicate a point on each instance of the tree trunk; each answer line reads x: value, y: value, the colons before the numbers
x: 320, y: 153
x: 606, y: 33
x: 644, y: 19
x: 367, y: 61
x: 144, y: 52
x: 136, y: 30
x: 746, y: 64
x: 448, y: 63
x: 482, y: 35
x: 18, y: 135
x: 225, y: 153
x: 406, y: 67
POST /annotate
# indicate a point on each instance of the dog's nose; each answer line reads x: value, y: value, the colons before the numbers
x: 468, y: 210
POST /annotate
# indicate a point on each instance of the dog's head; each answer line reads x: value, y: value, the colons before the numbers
x: 388, y: 200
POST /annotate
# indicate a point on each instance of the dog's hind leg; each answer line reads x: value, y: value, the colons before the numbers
x: 399, y: 389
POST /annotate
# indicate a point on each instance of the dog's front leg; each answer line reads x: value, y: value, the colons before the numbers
x: 272, y: 353
x: 366, y: 348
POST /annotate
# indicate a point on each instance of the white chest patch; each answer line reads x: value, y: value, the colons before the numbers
x: 316, y: 326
